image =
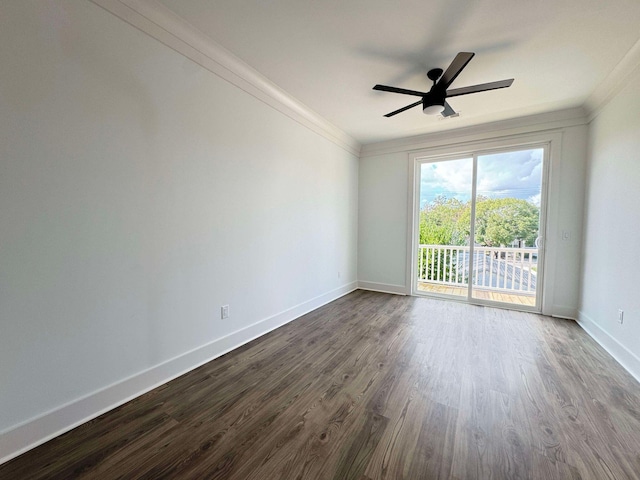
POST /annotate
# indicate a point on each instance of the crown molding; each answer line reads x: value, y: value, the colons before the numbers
x: 528, y: 124
x: 162, y: 24
x: 613, y: 83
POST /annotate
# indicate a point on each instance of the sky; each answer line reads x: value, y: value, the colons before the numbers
x: 500, y: 175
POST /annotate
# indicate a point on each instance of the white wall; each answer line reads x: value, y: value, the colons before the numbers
x: 612, y: 228
x: 382, y: 220
x: 383, y: 197
x: 565, y: 212
x: 138, y: 194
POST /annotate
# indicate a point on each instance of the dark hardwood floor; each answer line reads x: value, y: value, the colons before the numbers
x: 374, y: 386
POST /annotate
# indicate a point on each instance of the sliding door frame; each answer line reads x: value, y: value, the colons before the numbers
x: 550, y: 142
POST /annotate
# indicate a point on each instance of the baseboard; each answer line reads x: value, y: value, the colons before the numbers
x: 37, y: 431
x: 570, y: 313
x: 383, y: 287
x: 619, y: 352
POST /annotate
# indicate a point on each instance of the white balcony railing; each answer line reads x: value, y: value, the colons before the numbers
x: 501, y: 269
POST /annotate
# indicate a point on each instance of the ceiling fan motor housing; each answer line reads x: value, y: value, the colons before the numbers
x: 433, y: 104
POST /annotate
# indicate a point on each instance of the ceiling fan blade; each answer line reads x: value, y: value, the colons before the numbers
x: 454, y: 69
x: 385, y: 88
x: 448, y: 111
x: 403, y: 109
x: 483, y: 87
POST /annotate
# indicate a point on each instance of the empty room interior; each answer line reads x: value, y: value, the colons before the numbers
x: 274, y: 239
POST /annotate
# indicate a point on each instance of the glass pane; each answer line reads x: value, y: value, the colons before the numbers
x: 507, y: 225
x: 445, y: 219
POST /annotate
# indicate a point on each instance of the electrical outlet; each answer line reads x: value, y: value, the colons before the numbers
x: 339, y: 275
x: 620, y: 316
x: 224, y: 311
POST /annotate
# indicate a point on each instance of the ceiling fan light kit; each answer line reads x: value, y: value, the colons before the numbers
x: 434, y: 101
x: 434, y: 109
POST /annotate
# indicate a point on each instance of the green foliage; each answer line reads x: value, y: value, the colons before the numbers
x: 511, y: 219
x: 499, y: 221
x: 439, y: 222
x: 439, y: 225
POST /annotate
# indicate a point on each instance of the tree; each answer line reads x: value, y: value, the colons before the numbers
x: 439, y: 225
x: 440, y: 220
x: 499, y: 221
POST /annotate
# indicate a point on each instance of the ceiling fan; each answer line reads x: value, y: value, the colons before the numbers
x: 434, y: 101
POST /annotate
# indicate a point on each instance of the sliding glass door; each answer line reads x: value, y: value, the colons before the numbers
x: 479, y: 221
x: 446, y: 189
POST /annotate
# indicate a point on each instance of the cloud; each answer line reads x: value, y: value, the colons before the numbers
x: 507, y: 174
x: 535, y: 199
x: 451, y: 178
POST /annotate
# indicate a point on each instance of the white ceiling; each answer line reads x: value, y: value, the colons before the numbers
x: 329, y: 54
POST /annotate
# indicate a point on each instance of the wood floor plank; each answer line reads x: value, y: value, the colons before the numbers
x: 432, y: 458
x: 511, y: 452
x: 545, y: 467
x: 374, y: 386
x: 358, y: 454
x: 392, y: 457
